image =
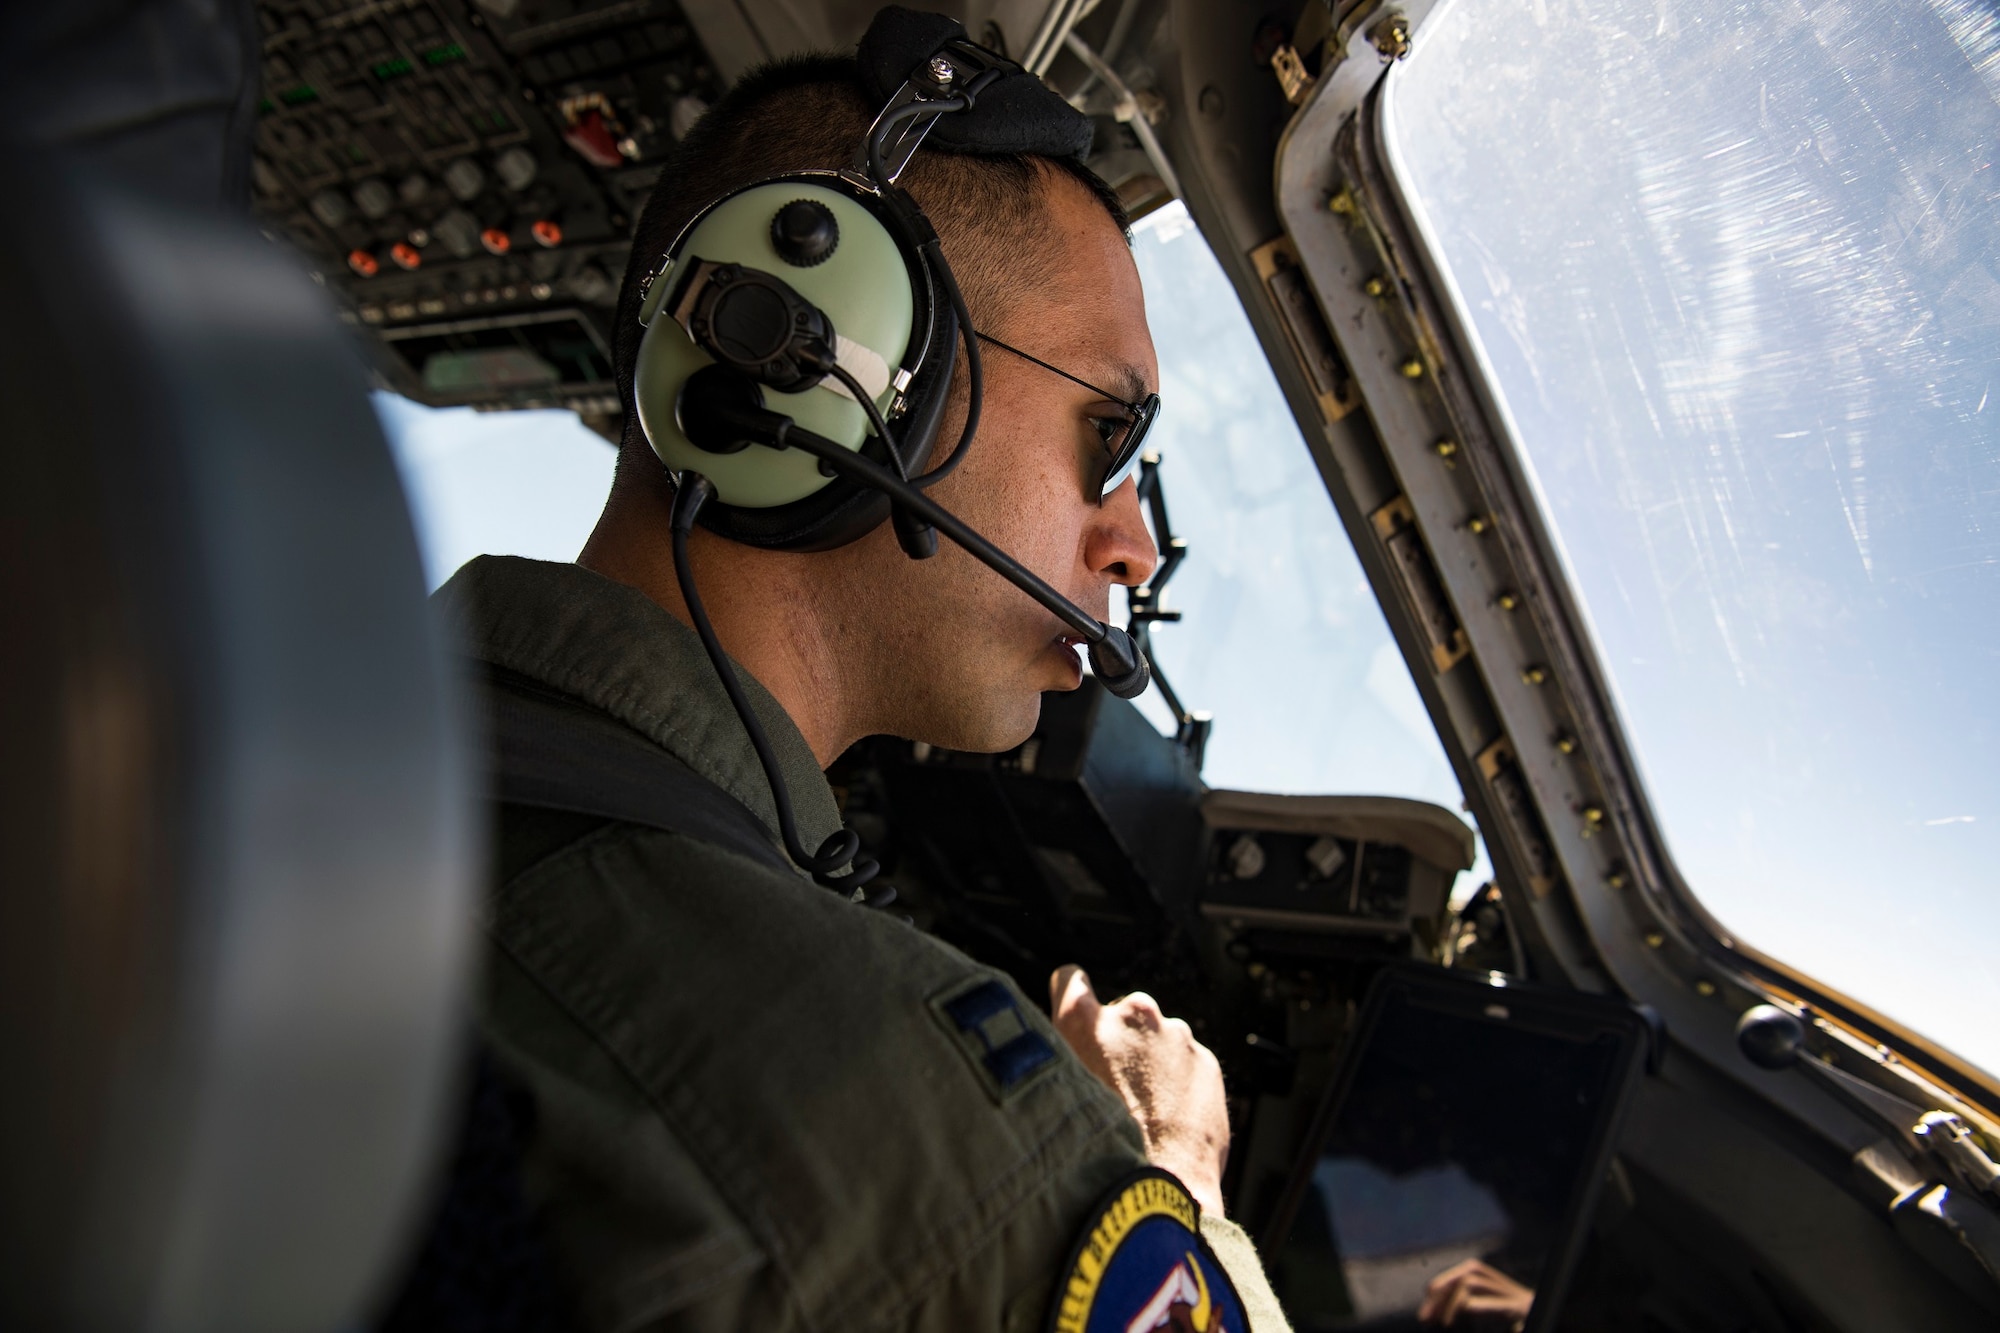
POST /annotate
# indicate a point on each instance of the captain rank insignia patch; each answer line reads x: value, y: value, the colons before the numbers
x: 1141, y: 1265
x: 986, y: 1022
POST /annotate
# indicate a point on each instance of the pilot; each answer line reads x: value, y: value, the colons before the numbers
x: 738, y: 1100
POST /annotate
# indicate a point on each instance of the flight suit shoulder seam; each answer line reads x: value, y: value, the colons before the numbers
x: 566, y: 851
x: 626, y: 831
x: 634, y: 709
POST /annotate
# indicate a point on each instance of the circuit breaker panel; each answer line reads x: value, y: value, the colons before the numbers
x: 464, y: 177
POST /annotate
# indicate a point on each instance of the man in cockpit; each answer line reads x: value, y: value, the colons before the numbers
x: 745, y: 1102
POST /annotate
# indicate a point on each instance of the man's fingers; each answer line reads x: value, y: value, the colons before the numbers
x: 1141, y: 1011
x: 1071, y: 1000
x: 1438, y: 1290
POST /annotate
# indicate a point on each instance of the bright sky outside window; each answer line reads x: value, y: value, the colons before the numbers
x: 1734, y: 271
x: 1271, y: 577
x: 501, y: 483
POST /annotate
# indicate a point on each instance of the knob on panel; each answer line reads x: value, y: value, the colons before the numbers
x: 1769, y: 1037
x: 805, y: 233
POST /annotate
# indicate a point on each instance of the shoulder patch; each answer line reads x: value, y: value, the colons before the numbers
x: 1141, y: 1264
x: 986, y: 1024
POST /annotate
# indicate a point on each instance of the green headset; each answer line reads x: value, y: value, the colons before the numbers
x: 833, y: 244
x: 800, y: 339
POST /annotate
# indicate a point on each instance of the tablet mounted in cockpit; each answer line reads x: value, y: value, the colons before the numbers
x: 1450, y: 1171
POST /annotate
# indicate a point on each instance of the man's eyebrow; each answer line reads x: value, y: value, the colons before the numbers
x: 1127, y: 381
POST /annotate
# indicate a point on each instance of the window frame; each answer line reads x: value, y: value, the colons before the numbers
x: 1525, y: 708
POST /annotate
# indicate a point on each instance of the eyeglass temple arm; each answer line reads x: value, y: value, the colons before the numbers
x: 1128, y: 405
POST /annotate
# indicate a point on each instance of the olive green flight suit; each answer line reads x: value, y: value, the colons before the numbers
x: 750, y: 1112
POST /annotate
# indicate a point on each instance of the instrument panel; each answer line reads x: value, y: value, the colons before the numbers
x: 464, y: 178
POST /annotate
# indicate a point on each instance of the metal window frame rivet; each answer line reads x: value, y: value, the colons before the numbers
x: 1391, y: 38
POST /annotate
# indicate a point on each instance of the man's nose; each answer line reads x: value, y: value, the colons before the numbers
x: 1118, y: 543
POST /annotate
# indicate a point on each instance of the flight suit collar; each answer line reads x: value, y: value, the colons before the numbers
x: 613, y: 648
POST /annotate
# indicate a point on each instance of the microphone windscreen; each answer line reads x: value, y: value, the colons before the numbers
x: 1119, y: 665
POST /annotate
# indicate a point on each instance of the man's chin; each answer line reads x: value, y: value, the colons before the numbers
x: 984, y: 728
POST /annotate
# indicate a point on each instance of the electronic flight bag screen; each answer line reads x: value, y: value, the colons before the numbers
x: 1448, y: 1176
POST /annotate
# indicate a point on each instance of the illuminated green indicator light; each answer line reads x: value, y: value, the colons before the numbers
x: 392, y: 69
x: 298, y: 96
x: 265, y: 106
x: 444, y: 55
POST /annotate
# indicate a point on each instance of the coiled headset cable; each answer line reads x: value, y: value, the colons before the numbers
x: 840, y: 849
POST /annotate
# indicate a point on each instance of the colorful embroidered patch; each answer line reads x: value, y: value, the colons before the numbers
x: 1141, y: 1264
x: 987, y: 1022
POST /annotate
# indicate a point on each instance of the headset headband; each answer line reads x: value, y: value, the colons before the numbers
x: 1017, y: 113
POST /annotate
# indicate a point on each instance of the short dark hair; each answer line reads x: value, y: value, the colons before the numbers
x: 809, y: 112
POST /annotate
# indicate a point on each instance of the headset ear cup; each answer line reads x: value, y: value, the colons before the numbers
x: 929, y: 392
x: 844, y: 512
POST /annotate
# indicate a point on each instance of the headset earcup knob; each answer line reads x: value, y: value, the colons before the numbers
x: 804, y: 233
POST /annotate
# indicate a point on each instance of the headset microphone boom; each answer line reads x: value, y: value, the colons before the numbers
x: 722, y: 410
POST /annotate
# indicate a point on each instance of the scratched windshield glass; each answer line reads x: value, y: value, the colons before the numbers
x: 1735, y: 272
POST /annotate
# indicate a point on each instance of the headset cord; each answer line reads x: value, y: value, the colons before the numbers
x: 933, y: 250
x: 875, y: 421
x: 840, y: 849
x: 974, y: 381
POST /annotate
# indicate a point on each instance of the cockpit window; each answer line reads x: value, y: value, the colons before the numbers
x: 1282, y: 639
x: 500, y: 483
x: 1734, y: 271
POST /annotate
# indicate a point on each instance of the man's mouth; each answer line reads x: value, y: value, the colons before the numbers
x: 1070, y: 643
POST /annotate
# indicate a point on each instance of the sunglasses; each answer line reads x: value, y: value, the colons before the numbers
x: 1122, y: 436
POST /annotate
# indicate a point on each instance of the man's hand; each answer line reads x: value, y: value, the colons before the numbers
x: 1475, y: 1295
x: 1170, y: 1081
